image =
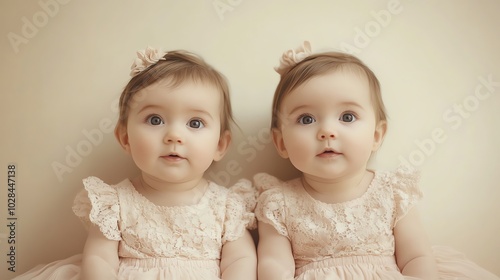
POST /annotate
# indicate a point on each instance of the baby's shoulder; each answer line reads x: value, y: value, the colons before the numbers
x: 271, y: 188
x: 264, y: 182
x: 96, y: 184
x: 97, y: 193
x: 401, y: 177
x: 242, y: 192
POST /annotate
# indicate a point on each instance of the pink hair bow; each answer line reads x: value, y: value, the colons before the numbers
x: 291, y: 57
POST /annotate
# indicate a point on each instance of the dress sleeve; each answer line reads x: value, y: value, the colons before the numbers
x: 98, y: 204
x: 270, y: 207
x: 240, y: 204
x: 406, y: 190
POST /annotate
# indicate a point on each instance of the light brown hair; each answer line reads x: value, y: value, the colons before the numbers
x: 320, y: 64
x: 178, y: 66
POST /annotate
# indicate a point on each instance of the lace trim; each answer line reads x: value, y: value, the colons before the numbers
x: 98, y: 204
x: 271, y: 210
x: 240, y: 205
x: 407, y: 194
x: 271, y: 202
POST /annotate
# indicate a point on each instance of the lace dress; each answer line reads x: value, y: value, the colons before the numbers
x: 159, y: 242
x: 353, y: 239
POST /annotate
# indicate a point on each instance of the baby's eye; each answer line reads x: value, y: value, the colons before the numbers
x: 154, y: 120
x: 306, y: 119
x: 348, y: 117
x: 196, y: 123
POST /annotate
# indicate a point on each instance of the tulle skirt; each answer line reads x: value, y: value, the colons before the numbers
x: 451, y: 264
x: 166, y: 268
x: 63, y: 269
x: 131, y: 269
x: 354, y: 267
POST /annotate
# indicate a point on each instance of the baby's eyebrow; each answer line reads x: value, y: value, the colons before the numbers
x: 299, y: 108
x: 192, y: 110
x: 351, y: 104
x: 203, y: 112
x: 152, y: 106
x: 341, y: 104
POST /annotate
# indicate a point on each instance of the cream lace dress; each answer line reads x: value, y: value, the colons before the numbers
x: 156, y: 242
x: 353, y: 239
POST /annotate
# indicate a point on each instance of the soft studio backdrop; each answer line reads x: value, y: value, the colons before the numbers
x: 64, y: 64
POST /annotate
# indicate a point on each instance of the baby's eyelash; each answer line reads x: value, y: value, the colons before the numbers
x: 196, y: 123
x: 306, y: 119
x: 348, y: 116
x: 154, y: 119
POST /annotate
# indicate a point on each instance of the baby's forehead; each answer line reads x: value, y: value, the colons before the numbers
x: 179, y: 81
x: 331, y: 90
x: 351, y: 70
x: 334, y: 82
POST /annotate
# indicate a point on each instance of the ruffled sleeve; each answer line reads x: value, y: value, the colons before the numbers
x: 98, y: 204
x: 240, y: 204
x: 270, y: 207
x: 404, y: 182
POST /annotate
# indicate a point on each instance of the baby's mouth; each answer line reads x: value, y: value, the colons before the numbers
x: 328, y: 152
x: 173, y: 156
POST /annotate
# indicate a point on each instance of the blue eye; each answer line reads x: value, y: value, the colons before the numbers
x: 348, y: 117
x: 196, y: 123
x: 306, y: 119
x: 154, y: 120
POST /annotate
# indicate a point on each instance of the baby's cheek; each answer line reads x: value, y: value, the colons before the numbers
x: 299, y: 150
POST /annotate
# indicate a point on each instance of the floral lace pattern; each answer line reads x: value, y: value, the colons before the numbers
x: 149, y: 231
x: 89, y: 209
x: 318, y: 230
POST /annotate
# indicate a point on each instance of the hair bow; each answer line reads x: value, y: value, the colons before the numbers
x: 146, y: 58
x: 291, y: 57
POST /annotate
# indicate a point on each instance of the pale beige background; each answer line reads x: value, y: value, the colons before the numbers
x: 62, y: 81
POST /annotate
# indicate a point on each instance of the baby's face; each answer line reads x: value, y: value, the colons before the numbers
x: 328, y: 125
x: 173, y: 132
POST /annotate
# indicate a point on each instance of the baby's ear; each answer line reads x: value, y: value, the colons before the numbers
x: 222, y: 147
x: 122, y: 137
x: 379, y: 134
x: 279, y: 143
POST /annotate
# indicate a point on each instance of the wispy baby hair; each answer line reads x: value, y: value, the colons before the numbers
x: 300, y: 65
x: 152, y: 66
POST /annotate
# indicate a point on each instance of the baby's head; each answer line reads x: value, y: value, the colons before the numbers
x: 175, y: 67
x: 175, y: 116
x: 328, y: 116
x: 321, y: 64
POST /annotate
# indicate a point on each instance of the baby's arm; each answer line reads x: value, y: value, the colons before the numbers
x: 238, y: 259
x: 100, y: 256
x: 413, y: 253
x: 275, y: 259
